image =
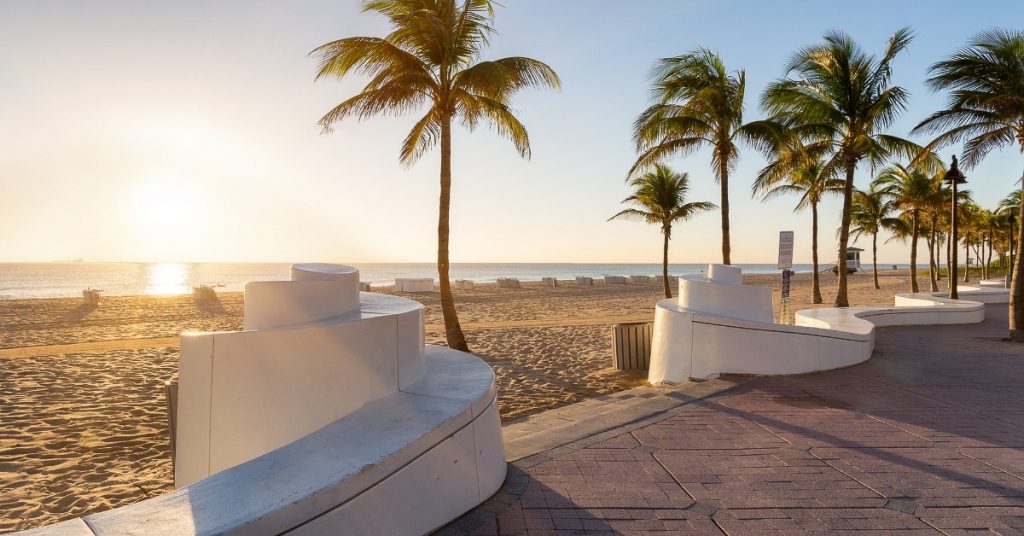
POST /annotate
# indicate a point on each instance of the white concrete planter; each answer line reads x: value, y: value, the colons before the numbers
x: 717, y: 326
x: 328, y: 415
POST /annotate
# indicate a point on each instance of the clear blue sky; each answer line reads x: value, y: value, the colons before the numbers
x: 186, y: 131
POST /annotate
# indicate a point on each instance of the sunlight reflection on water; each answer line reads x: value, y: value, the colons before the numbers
x: 167, y: 278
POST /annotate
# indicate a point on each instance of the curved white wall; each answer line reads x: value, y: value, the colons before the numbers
x: 722, y: 291
x: 315, y: 292
x: 716, y: 329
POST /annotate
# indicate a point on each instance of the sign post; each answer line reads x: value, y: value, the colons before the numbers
x: 785, y: 264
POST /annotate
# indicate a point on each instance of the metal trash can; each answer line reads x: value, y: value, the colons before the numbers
x: 631, y: 344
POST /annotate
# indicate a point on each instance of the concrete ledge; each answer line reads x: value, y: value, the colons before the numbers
x: 349, y: 476
x: 988, y: 292
x: 713, y: 328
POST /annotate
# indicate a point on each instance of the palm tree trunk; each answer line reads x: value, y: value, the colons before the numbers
x: 914, y: 230
x: 950, y: 275
x: 988, y: 260
x: 667, y: 231
x: 939, y: 242
x: 452, y: 329
x: 723, y: 178
x: 874, y: 258
x: 844, y: 236
x: 1017, y: 282
x: 967, y: 262
x: 816, y: 288
x: 933, y: 263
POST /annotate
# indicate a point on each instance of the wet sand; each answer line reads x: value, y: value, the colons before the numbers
x: 82, y: 414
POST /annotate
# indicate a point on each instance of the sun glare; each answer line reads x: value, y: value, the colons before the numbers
x: 166, y: 278
x: 167, y: 211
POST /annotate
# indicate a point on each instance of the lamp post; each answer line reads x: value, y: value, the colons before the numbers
x: 954, y: 177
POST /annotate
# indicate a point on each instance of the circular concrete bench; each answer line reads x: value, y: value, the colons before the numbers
x: 327, y: 415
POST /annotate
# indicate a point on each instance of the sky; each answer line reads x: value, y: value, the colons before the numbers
x: 186, y: 131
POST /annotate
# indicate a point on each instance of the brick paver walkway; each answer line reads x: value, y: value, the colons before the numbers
x: 926, y: 438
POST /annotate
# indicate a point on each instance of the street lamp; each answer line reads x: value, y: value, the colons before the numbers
x: 954, y: 177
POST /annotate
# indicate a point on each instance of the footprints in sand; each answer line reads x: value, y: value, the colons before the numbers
x: 82, y: 433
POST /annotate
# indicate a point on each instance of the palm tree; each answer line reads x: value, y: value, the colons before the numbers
x: 870, y: 214
x: 936, y: 215
x: 800, y: 169
x: 984, y: 111
x: 845, y: 95
x: 1010, y: 207
x: 660, y: 198
x: 428, y: 61
x: 700, y: 103
x: 912, y: 192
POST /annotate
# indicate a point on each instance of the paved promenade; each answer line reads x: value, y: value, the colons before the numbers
x: 925, y: 438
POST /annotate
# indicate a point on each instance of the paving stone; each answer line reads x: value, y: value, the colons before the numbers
x: 925, y: 438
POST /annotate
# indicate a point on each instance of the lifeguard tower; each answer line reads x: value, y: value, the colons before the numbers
x: 852, y: 259
x: 852, y: 262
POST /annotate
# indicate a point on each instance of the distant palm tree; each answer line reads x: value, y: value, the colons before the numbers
x: 700, y: 103
x: 936, y: 216
x: 660, y: 198
x: 1010, y: 208
x: 913, y: 192
x: 985, y: 111
x: 428, y: 61
x: 871, y: 214
x: 845, y: 95
x: 800, y: 169
x: 968, y: 221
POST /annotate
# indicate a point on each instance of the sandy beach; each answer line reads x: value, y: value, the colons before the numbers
x: 82, y: 414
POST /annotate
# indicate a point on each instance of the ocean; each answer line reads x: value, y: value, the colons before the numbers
x: 68, y: 279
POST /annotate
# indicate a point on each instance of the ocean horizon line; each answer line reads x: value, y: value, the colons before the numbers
x: 68, y: 279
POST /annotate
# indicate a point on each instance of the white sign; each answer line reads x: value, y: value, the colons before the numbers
x: 785, y: 250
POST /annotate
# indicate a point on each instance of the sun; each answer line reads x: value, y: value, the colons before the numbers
x: 167, y: 209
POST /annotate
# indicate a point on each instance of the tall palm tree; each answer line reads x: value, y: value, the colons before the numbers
x: 799, y: 169
x: 871, y: 214
x: 429, y: 60
x: 984, y: 111
x: 913, y: 192
x: 699, y: 103
x: 845, y: 95
x: 659, y: 197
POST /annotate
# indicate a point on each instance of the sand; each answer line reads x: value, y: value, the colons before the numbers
x: 82, y: 414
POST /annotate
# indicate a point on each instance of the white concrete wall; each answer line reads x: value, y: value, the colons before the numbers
x: 246, y: 393
x: 986, y: 293
x: 715, y: 328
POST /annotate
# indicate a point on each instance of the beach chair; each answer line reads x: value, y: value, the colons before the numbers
x: 91, y: 297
